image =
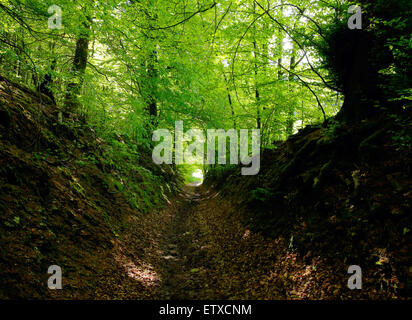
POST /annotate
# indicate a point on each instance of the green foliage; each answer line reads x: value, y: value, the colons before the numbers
x: 227, y: 65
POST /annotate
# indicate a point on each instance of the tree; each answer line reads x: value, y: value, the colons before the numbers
x: 79, y: 65
x: 364, y: 64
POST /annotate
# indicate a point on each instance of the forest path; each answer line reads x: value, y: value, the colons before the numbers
x: 183, y: 261
x: 207, y: 253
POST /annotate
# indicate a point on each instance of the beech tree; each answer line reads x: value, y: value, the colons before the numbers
x: 274, y: 65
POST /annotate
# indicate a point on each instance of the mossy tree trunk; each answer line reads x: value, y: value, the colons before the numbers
x: 79, y: 67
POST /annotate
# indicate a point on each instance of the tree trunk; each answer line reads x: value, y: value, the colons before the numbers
x: 152, y: 74
x: 257, y: 95
x: 229, y: 97
x: 358, y: 76
x: 46, y: 84
x: 78, y: 69
x: 291, y: 117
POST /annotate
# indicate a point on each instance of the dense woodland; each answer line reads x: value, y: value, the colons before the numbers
x: 84, y: 84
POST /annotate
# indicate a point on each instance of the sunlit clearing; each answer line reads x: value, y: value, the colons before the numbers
x: 198, y: 174
x: 193, y: 174
x: 197, y: 177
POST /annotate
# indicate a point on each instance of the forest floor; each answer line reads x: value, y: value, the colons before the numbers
x: 205, y: 256
x: 207, y: 253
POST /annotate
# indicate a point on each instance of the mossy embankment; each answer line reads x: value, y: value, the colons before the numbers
x: 75, y: 199
x: 333, y: 196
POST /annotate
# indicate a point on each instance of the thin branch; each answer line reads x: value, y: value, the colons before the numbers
x: 98, y: 71
x: 298, y: 43
x: 182, y: 21
x: 307, y: 86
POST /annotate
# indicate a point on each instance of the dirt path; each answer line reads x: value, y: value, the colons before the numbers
x: 208, y: 254
x: 199, y: 250
x: 181, y: 266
